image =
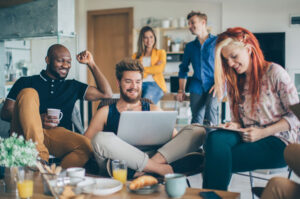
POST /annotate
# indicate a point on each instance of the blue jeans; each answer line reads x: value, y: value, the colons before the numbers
x: 226, y: 153
x: 204, y: 107
x: 152, y: 91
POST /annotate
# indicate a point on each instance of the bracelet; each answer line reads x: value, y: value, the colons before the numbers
x: 180, y: 91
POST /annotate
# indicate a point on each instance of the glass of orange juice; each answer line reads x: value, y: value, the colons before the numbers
x: 25, y: 184
x: 119, y: 170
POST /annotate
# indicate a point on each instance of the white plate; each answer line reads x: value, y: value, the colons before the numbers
x: 88, y: 181
x: 103, y: 186
x: 59, y: 183
x: 63, y: 181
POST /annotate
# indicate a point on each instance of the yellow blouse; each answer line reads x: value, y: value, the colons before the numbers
x: 156, y: 70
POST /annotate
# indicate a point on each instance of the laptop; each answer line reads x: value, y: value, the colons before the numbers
x: 147, y: 128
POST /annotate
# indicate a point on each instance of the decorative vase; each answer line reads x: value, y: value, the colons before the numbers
x: 10, y: 178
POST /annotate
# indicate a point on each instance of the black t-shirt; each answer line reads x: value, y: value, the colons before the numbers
x: 59, y: 94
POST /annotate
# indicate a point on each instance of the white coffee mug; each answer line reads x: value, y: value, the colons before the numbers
x: 55, y: 112
x: 175, y: 185
x: 165, y: 23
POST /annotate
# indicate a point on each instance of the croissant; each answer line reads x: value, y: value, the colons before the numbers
x: 142, y: 181
x: 68, y: 193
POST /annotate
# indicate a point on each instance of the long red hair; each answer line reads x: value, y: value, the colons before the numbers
x: 234, y: 81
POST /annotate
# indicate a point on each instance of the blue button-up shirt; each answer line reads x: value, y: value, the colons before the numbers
x: 202, y: 58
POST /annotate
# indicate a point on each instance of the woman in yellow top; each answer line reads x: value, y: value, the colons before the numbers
x: 154, y: 62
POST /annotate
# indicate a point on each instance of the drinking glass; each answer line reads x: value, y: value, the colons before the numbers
x: 48, y: 181
x: 119, y: 170
x: 25, y: 183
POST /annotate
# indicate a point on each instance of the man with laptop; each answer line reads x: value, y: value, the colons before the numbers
x: 138, y: 153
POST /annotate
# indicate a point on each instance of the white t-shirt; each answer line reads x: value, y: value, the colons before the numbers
x: 146, y: 61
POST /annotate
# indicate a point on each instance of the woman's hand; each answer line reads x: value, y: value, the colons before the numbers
x: 231, y: 125
x: 253, y: 134
x: 159, y: 62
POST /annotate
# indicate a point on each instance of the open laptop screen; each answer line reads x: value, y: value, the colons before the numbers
x: 147, y: 128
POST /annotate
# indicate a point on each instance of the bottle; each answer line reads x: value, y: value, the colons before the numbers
x: 6, y: 74
x: 169, y: 41
x: 181, y: 22
x: 174, y: 23
x: 12, y: 74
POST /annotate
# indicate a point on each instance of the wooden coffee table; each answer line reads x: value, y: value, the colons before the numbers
x: 190, y: 193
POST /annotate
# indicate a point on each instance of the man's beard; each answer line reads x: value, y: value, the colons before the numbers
x: 129, y: 100
x: 55, y: 73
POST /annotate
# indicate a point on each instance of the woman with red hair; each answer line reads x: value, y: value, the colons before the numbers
x: 259, y: 93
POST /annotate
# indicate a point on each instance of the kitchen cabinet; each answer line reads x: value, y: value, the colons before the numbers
x: 174, y: 56
x: 38, y: 18
x: 28, y: 23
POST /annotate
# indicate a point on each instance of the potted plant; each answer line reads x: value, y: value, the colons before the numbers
x: 15, y: 154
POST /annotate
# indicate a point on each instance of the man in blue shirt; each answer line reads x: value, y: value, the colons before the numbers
x: 200, y: 53
x: 27, y: 103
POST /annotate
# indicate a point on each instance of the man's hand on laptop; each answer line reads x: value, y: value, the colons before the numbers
x: 49, y: 121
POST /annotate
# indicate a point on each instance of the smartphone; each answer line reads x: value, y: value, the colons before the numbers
x: 209, y: 195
